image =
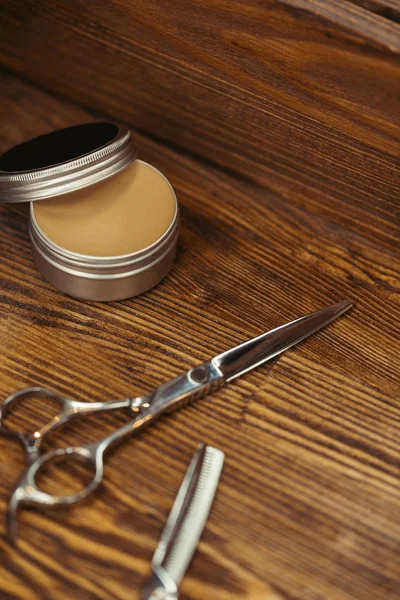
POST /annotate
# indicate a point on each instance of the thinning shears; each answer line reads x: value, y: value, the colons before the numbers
x: 195, y: 383
x: 185, y: 525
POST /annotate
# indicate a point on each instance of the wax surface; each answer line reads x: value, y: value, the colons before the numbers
x: 120, y: 215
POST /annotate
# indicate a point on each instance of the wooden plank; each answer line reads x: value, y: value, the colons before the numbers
x: 390, y: 9
x: 300, y: 96
x: 308, y: 505
x: 350, y: 15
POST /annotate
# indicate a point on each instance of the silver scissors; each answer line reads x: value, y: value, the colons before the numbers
x: 195, y: 383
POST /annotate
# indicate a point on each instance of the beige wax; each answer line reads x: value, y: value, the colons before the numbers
x: 120, y: 215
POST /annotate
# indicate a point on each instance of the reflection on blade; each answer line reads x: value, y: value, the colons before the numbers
x: 237, y: 361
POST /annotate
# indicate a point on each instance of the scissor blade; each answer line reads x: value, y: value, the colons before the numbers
x: 186, y: 521
x: 250, y: 354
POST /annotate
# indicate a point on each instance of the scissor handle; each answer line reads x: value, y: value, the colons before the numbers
x: 68, y: 409
x: 33, y: 440
x: 169, y: 396
x: 27, y: 491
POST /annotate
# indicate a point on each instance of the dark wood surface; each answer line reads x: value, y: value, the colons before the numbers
x: 300, y: 96
x: 308, y: 504
x: 390, y: 9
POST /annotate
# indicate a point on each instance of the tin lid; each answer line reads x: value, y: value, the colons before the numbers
x: 64, y: 161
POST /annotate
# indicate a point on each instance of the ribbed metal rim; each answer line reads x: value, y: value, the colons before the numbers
x: 110, y: 159
x: 117, y: 272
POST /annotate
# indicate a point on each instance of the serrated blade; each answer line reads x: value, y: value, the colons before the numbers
x: 189, y: 513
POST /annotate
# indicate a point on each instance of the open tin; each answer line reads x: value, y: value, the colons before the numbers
x: 68, y: 160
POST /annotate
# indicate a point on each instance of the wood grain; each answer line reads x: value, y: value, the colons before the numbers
x: 308, y: 505
x: 390, y: 9
x: 299, y: 96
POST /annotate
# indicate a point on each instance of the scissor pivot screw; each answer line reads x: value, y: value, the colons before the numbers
x: 199, y: 375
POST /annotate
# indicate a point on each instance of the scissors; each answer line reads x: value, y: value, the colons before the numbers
x: 195, y: 383
x: 185, y: 525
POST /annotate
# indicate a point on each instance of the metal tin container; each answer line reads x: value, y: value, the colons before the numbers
x: 79, y: 157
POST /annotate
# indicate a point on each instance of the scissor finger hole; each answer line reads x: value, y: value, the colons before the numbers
x: 29, y: 410
x: 65, y: 475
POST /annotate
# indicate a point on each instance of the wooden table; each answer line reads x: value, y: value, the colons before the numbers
x: 308, y: 504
